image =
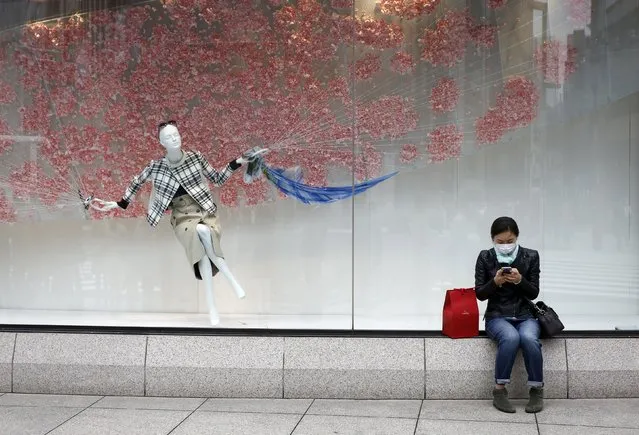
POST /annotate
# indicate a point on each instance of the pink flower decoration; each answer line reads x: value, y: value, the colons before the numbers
x: 445, y: 45
x: 5, y: 144
x: 388, y: 117
x: 556, y: 61
x: 7, y: 94
x: 342, y: 4
x: 515, y: 107
x: 483, y: 35
x: 402, y: 63
x: 445, y: 143
x: 444, y: 96
x: 409, y: 153
x: 7, y: 214
x: 408, y: 9
x: 367, y: 66
x: 368, y: 163
x: 496, y: 4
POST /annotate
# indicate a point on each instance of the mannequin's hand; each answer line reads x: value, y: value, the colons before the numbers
x: 251, y: 155
x: 100, y: 205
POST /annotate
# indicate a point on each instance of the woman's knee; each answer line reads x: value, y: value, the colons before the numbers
x: 528, y: 339
x: 510, y: 339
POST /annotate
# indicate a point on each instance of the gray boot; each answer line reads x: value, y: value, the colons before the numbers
x: 536, y: 402
x: 501, y: 402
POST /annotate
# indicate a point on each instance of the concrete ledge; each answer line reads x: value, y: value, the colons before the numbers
x: 603, y: 368
x: 305, y: 367
x: 79, y: 364
x: 215, y: 366
x: 7, y: 343
x: 465, y: 369
x: 354, y: 368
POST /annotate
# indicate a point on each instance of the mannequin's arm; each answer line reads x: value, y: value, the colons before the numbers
x: 218, y: 178
x: 134, y: 186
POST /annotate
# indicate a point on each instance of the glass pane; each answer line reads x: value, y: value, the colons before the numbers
x: 82, y: 99
x: 517, y: 108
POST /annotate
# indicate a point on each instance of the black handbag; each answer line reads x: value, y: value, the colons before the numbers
x: 549, y: 321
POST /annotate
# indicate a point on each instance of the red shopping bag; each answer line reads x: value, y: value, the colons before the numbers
x: 461, y: 313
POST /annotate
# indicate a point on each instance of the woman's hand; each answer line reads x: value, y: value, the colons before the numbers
x: 500, y: 278
x: 513, y: 277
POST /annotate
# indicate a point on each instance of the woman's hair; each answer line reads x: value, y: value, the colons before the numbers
x: 503, y: 224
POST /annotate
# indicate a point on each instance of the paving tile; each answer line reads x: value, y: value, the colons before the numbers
x: 27, y: 420
x: 42, y: 400
x: 456, y: 427
x: 366, y: 408
x: 473, y: 410
x: 166, y: 403
x: 95, y: 421
x: 266, y: 406
x: 215, y: 423
x: 591, y: 412
x: 553, y: 429
x: 342, y: 425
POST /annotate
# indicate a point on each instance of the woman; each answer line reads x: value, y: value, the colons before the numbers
x: 505, y: 275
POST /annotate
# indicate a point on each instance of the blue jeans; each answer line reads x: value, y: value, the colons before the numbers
x: 511, y: 334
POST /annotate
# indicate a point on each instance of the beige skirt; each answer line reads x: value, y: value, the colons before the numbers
x: 186, y: 214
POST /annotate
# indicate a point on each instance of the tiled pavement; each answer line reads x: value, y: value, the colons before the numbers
x: 87, y: 415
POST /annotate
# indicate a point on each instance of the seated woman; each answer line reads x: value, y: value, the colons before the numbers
x: 503, y: 275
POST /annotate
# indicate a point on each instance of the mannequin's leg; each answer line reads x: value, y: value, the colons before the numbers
x: 205, y: 237
x: 207, y: 279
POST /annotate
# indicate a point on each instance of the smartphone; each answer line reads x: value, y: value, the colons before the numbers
x: 506, y: 270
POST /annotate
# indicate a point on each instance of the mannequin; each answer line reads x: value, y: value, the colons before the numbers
x: 178, y: 185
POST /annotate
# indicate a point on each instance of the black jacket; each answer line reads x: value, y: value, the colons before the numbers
x: 505, y: 301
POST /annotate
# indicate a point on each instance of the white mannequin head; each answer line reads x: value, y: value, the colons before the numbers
x: 170, y: 136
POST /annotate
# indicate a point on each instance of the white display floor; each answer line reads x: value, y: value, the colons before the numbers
x: 273, y: 321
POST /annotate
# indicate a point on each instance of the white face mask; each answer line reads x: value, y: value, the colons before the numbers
x: 505, y: 249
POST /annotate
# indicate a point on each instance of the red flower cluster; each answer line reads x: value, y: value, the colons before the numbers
x: 445, y: 45
x: 445, y: 143
x: 402, y: 63
x: 4, y: 131
x: 444, y: 95
x: 496, y: 4
x: 234, y: 75
x: 368, y: 163
x: 408, y: 9
x: 367, y: 66
x: 516, y: 107
x: 556, y: 61
x: 388, y: 117
x: 342, y: 4
x: 409, y: 153
x: 7, y: 214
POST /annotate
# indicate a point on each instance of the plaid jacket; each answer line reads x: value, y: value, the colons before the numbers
x: 167, y: 178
